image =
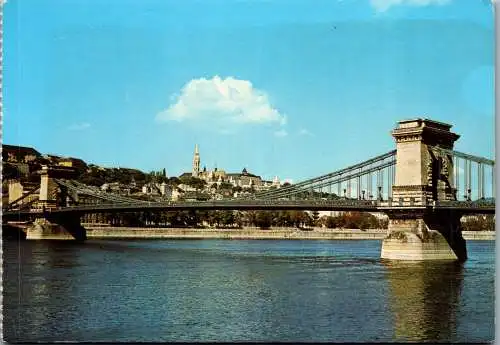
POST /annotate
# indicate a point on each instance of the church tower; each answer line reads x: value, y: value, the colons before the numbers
x: 196, y: 162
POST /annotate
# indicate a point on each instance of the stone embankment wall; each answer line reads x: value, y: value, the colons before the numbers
x: 250, y: 233
x: 245, y: 233
x: 479, y: 235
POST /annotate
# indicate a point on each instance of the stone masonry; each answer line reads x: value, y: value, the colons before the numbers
x: 423, y: 176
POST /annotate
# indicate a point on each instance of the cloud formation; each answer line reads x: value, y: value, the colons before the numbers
x: 281, y: 133
x: 79, y: 126
x: 225, y: 102
x: 304, y: 131
x: 384, y: 5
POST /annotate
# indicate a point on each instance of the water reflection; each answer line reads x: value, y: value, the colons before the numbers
x: 32, y: 307
x: 239, y: 291
x: 424, y: 298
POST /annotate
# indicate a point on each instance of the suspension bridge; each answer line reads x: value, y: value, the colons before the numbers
x: 424, y: 186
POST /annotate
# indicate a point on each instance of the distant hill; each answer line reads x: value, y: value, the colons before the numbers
x: 22, y: 163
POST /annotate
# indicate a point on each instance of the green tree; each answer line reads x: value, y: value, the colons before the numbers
x: 193, y: 182
x: 479, y: 223
x: 315, y: 218
x: 263, y: 219
x: 227, y: 218
x: 239, y: 219
x: 331, y: 222
x: 174, y: 181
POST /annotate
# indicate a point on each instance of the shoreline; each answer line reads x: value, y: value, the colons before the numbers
x: 109, y: 232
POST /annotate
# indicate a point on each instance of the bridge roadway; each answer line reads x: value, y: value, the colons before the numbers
x: 465, y: 207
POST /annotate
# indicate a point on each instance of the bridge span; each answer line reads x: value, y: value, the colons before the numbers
x: 423, y: 186
x: 472, y: 207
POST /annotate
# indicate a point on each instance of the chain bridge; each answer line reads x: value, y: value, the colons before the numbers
x: 424, y: 186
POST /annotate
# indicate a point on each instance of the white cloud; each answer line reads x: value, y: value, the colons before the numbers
x: 304, y: 131
x: 222, y: 102
x: 384, y: 5
x: 79, y: 126
x: 281, y: 133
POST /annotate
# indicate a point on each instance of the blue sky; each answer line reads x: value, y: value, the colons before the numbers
x: 289, y: 88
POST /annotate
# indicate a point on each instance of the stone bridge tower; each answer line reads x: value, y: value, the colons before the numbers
x: 418, y: 231
x: 423, y: 176
x: 51, y: 194
x: 49, y: 226
x: 48, y: 189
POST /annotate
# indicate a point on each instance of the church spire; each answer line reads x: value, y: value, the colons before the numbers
x: 196, y: 162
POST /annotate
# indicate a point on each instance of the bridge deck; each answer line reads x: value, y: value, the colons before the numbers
x: 306, y: 205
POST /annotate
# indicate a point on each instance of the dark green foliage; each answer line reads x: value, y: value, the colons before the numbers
x: 354, y: 220
x: 263, y: 219
x: 479, y: 223
x: 96, y: 176
x: 235, y: 219
x: 193, y: 182
x: 156, y: 177
x: 9, y: 171
x: 174, y: 181
x: 225, y: 186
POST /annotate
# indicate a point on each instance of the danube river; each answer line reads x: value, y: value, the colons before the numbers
x: 222, y: 290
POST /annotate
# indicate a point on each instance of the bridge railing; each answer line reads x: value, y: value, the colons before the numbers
x: 473, y: 176
x: 83, y: 189
x: 353, y: 172
x: 477, y: 204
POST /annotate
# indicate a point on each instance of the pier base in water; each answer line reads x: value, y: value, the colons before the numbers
x: 425, y: 236
x: 410, y: 247
x: 62, y: 229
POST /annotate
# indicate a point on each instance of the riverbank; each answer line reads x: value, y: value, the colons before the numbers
x: 479, y: 235
x: 107, y: 232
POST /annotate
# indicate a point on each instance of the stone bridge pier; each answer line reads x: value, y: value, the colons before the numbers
x: 417, y: 231
x: 64, y: 226
x: 60, y: 227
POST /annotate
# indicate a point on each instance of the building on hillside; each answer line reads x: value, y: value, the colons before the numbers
x: 51, y: 159
x: 76, y: 163
x: 157, y: 189
x: 193, y: 196
x: 116, y: 188
x: 186, y: 188
x: 69, y: 162
x: 219, y: 176
x: 19, y: 154
x: 245, y: 179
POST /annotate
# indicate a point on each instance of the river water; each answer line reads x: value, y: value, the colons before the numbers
x: 223, y: 290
